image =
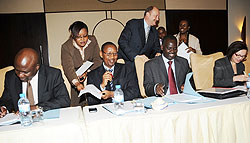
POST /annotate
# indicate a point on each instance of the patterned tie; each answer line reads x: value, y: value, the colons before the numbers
x: 30, y: 93
x: 171, y: 79
x: 111, y: 82
x: 147, y: 32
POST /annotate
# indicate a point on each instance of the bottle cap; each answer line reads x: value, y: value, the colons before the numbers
x: 118, y: 86
x: 22, y: 95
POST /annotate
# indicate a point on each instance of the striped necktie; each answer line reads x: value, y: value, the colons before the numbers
x: 111, y: 82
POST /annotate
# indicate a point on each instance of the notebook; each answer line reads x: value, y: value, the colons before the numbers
x: 221, y: 93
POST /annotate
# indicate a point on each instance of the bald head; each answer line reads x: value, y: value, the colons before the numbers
x: 26, y: 64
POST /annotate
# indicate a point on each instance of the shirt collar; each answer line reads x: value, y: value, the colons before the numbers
x: 145, y: 24
x: 78, y: 47
x: 106, y: 68
x: 166, y: 59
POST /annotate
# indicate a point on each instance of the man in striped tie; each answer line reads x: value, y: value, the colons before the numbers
x: 111, y: 73
x: 166, y: 74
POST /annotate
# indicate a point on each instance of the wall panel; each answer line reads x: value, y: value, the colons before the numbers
x: 21, y: 6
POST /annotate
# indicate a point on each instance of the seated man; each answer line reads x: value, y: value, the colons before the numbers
x: 166, y: 74
x: 109, y: 74
x: 44, y: 86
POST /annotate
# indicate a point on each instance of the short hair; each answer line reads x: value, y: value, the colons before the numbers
x: 169, y: 37
x: 148, y: 9
x: 188, y: 21
x: 235, y: 47
x: 107, y: 43
x: 161, y: 28
x: 76, y: 27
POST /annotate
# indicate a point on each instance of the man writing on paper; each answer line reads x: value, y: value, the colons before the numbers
x: 166, y: 74
x: 43, y: 85
x: 109, y: 74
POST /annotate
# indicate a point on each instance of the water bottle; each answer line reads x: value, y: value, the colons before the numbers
x: 118, y: 100
x: 248, y: 86
x: 24, y: 111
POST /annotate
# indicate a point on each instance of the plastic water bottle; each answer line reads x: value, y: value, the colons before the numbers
x: 24, y: 111
x: 119, y: 100
x: 248, y: 86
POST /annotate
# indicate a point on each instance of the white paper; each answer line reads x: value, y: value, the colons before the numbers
x: 85, y: 66
x: 182, y: 52
x: 91, y: 89
x: 183, y: 97
x: 9, y: 119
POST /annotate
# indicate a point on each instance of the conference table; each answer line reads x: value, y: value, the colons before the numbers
x: 222, y: 121
x: 69, y: 127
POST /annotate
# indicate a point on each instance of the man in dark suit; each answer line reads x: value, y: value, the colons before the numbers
x: 157, y: 77
x: 47, y: 86
x: 140, y: 37
x: 109, y: 74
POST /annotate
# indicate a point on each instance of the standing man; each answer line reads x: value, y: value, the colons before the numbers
x: 43, y: 85
x: 166, y: 74
x: 111, y: 73
x: 140, y: 37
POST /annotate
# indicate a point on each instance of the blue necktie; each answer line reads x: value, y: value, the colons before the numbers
x: 111, y: 82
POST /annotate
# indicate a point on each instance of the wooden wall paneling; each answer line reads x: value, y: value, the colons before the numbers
x: 22, y: 31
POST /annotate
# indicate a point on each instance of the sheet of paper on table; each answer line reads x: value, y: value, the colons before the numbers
x: 85, y: 66
x: 90, y: 88
x: 9, y: 119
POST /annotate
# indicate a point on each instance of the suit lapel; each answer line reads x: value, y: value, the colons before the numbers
x: 41, y: 82
x: 163, y: 71
x: 142, y: 32
x: 117, y: 73
x: 18, y: 85
x: 177, y: 72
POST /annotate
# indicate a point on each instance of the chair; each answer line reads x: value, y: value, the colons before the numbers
x: 202, y: 67
x: 247, y: 63
x: 139, y: 66
x: 2, y: 77
x: 68, y: 85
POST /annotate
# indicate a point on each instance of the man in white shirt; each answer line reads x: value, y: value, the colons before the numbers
x: 165, y: 74
x: 43, y: 85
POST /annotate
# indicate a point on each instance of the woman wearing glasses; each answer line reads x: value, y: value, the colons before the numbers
x: 79, y: 48
x: 229, y: 71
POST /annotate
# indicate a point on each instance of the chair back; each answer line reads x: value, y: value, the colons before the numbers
x: 139, y: 66
x: 2, y: 77
x: 202, y: 67
x: 247, y: 63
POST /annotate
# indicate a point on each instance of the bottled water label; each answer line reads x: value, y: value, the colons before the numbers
x: 119, y: 98
x: 24, y: 108
x: 248, y: 84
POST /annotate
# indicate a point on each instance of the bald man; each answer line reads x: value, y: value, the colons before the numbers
x: 48, y: 88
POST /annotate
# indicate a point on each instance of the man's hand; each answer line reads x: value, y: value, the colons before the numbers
x: 160, y: 89
x: 107, y: 94
x: 107, y: 76
x: 190, y: 49
x: 3, y: 111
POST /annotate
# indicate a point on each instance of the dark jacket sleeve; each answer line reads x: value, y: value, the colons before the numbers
x: 56, y: 95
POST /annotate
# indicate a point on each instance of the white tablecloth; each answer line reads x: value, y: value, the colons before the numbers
x: 69, y: 127
x: 223, y: 121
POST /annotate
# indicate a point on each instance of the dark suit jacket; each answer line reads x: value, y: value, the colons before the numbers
x: 132, y: 41
x: 52, y: 92
x: 155, y: 72
x: 122, y: 76
x: 71, y: 60
x: 223, y: 73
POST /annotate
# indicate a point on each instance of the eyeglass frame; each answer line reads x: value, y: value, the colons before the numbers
x: 238, y: 55
x: 109, y: 54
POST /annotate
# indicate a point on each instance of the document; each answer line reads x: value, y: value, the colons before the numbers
x: 9, y: 119
x: 182, y: 52
x: 183, y: 98
x: 91, y: 89
x: 85, y: 66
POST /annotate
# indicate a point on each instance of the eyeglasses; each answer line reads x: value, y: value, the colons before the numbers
x: 240, y: 56
x: 109, y: 54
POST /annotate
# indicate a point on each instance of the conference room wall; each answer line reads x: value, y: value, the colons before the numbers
x: 21, y: 6
x: 107, y: 30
